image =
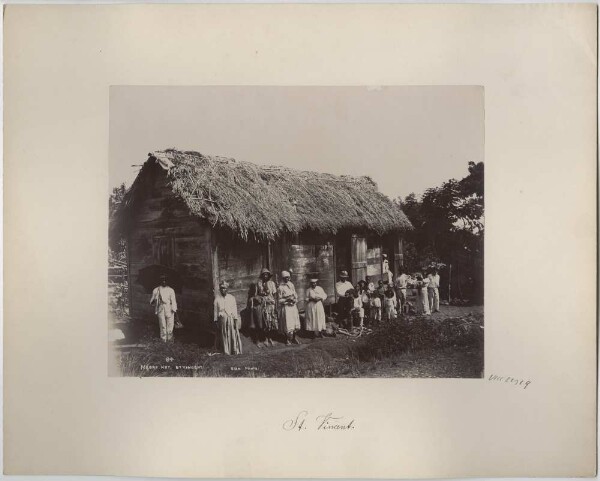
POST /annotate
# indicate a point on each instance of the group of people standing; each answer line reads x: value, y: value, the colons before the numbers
x: 274, y: 311
x: 367, y: 302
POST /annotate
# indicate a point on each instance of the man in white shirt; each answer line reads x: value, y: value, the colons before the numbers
x: 342, y: 286
x: 344, y: 303
x: 433, y: 290
x: 165, y: 307
x: 227, y: 321
x: 401, y: 285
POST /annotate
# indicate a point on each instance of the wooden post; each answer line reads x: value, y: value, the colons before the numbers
x: 269, y: 256
x: 129, y: 288
x: 335, y: 296
x: 449, y: 282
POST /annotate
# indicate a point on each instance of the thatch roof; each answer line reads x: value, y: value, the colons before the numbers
x: 266, y: 201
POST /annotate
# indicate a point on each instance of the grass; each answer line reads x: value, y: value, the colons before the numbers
x: 439, y: 346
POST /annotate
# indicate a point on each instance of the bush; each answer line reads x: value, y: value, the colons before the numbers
x: 412, y: 334
x: 118, y: 299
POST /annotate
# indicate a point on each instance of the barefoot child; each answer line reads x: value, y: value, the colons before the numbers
x: 375, y: 308
x: 389, y: 313
x: 358, y: 312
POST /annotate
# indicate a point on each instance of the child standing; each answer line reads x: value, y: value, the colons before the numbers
x: 390, y: 313
x: 358, y: 312
x: 364, y: 297
x: 375, y: 307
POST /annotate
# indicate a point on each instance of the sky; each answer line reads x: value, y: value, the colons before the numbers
x: 406, y: 139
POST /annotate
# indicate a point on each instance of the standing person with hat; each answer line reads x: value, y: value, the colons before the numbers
x: 387, y: 274
x: 266, y: 318
x: 165, y: 307
x: 315, y: 312
x: 289, y: 317
x: 344, y: 302
x: 228, y: 321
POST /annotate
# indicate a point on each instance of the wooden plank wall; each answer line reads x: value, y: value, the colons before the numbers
x: 312, y: 255
x: 159, y: 214
x: 325, y: 266
x: 239, y: 263
x: 374, y: 260
x: 359, y: 258
x: 303, y: 266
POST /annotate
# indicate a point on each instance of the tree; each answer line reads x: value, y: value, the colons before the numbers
x: 449, y: 227
x: 115, y: 199
x: 118, y: 252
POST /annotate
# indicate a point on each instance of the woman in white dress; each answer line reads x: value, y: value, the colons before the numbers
x: 289, y: 318
x: 315, y: 312
x: 227, y: 321
x: 422, y: 306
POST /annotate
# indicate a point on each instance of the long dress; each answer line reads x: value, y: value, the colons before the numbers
x: 315, y: 313
x: 289, y: 318
x: 422, y: 306
x: 266, y: 312
x: 228, y: 324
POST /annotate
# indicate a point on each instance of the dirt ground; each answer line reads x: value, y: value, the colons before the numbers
x: 326, y: 357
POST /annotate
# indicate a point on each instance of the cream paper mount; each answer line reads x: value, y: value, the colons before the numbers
x: 63, y: 414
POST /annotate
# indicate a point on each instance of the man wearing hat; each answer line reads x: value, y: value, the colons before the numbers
x: 315, y: 312
x: 265, y: 322
x: 289, y: 317
x: 228, y: 321
x: 165, y: 307
x: 344, y: 303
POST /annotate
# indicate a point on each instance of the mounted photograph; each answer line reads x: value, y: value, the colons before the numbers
x: 296, y: 231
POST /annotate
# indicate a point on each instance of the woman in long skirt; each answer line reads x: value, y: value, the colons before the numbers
x: 315, y: 312
x: 266, y: 312
x: 289, y: 317
x: 422, y: 306
x: 228, y: 321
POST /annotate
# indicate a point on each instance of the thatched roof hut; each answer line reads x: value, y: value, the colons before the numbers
x: 208, y: 219
x: 265, y: 201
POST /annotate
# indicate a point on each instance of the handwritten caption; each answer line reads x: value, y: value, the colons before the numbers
x: 521, y: 383
x: 323, y: 422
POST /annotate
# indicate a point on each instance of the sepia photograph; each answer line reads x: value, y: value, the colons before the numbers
x: 296, y: 232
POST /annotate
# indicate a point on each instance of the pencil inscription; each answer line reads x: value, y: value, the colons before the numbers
x: 511, y: 380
